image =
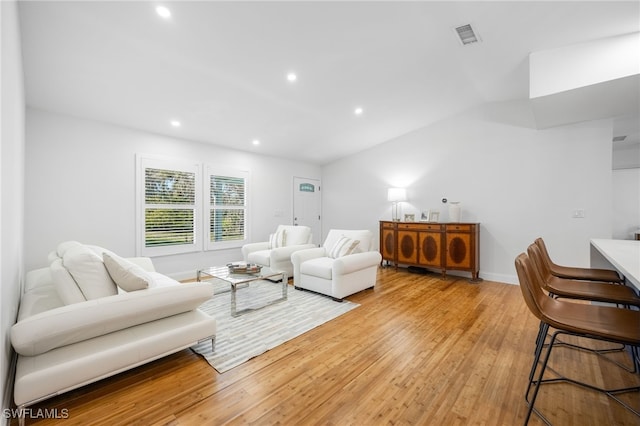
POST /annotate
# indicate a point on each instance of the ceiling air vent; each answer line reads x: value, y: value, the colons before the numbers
x: 467, y: 35
x: 619, y: 138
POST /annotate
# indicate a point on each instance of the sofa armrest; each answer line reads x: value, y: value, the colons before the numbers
x: 356, y: 262
x: 251, y: 247
x: 81, y: 321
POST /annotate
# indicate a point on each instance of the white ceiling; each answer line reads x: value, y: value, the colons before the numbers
x: 220, y: 67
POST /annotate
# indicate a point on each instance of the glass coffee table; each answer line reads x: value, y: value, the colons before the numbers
x: 236, y: 280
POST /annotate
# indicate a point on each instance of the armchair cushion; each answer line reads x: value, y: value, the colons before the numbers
x: 318, y: 267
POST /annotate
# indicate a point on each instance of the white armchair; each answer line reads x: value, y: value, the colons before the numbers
x: 275, y: 254
x: 333, y: 269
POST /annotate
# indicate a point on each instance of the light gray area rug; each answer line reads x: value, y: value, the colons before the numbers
x: 244, y: 337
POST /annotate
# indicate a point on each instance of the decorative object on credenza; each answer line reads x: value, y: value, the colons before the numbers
x: 454, y: 211
x: 396, y: 196
x: 424, y: 217
x: 409, y: 217
x: 434, y: 216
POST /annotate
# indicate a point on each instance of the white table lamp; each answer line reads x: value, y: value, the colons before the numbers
x: 396, y: 195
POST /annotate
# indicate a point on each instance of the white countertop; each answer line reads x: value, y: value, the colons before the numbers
x: 624, y: 255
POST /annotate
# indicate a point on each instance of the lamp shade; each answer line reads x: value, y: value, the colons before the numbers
x: 396, y: 194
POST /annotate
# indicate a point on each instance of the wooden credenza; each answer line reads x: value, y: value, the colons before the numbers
x: 443, y: 246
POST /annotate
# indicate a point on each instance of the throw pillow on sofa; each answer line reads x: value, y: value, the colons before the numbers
x: 127, y: 275
x: 89, y: 272
x: 66, y: 287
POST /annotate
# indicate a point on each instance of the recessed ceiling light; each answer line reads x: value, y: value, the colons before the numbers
x: 163, y: 11
x: 256, y: 142
x: 358, y: 111
x: 176, y: 123
x: 292, y: 77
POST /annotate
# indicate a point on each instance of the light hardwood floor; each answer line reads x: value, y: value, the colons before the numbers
x: 419, y: 350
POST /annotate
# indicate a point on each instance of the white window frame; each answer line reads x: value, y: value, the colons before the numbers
x: 214, y: 170
x: 146, y: 161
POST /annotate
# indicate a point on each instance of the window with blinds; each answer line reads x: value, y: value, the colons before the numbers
x: 168, y: 206
x: 170, y: 202
x: 227, y: 208
x: 189, y: 206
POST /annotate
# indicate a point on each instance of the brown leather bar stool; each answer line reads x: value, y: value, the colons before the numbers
x: 566, y: 318
x: 599, y: 291
x: 570, y: 272
x: 583, y: 290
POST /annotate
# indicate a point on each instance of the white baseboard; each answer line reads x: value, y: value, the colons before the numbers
x: 500, y: 278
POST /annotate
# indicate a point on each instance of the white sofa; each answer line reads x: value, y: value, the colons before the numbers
x: 275, y: 254
x: 76, y: 325
x: 340, y: 267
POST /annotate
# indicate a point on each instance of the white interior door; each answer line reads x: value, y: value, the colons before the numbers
x: 307, y: 205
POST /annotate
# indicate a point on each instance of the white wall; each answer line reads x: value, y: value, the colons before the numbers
x: 627, y: 157
x: 518, y: 182
x: 80, y: 185
x: 11, y: 184
x: 626, y: 203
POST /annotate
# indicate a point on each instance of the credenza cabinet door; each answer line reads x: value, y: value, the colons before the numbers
x: 407, y: 247
x: 458, y: 250
x: 388, y: 243
x: 431, y: 249
x: 463, y: 248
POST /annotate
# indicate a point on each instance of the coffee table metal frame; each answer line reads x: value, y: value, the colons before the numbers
x: 243, y: 280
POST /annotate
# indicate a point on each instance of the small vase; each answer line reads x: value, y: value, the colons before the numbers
x: 454, y: 211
